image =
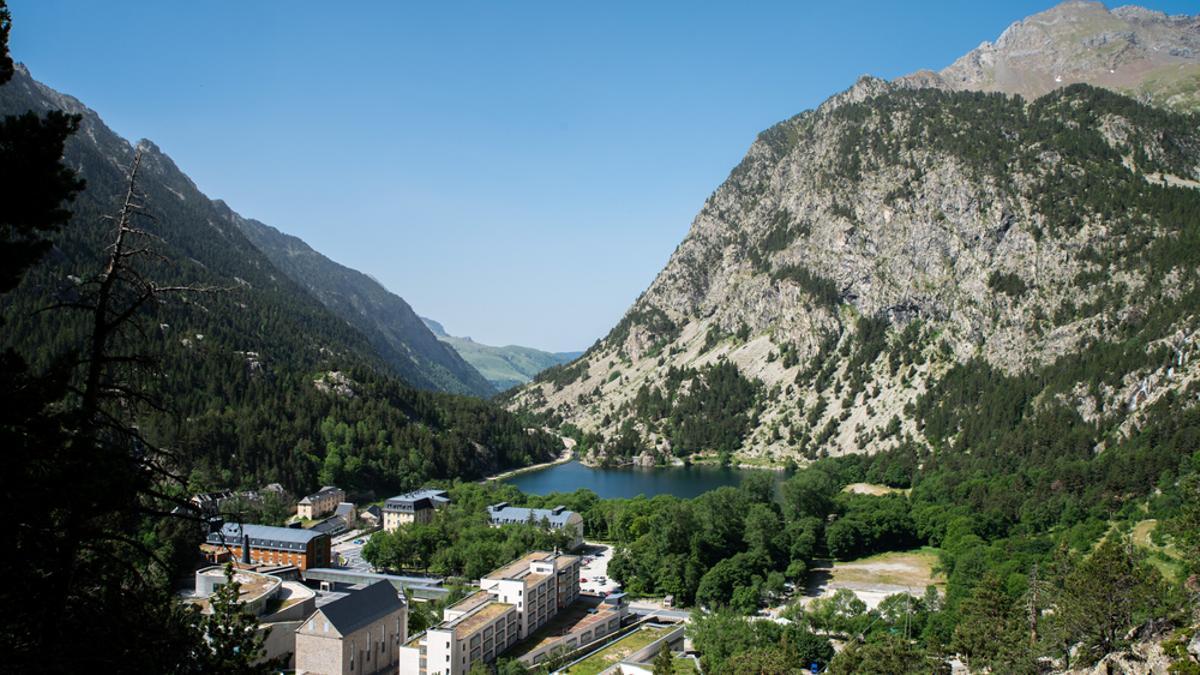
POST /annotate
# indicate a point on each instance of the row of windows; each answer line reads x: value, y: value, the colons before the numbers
x: 365, y: 655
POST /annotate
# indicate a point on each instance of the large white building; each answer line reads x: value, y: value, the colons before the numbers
x: 512, y: 603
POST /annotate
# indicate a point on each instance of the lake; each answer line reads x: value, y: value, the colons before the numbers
x: 625, y: 482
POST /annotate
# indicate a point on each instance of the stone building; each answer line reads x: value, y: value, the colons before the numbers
x: 417, y: 506
x: 359, y: 634
x: 320, y: 502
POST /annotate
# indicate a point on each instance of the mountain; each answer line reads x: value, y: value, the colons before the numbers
x: 504, y: 367
x: 922, y: 265
x: 391, y: 326
x: 1148, y: 55
x: 259, y: 380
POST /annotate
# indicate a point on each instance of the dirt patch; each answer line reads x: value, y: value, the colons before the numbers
x: 873, y: 579
x: 873, y: 489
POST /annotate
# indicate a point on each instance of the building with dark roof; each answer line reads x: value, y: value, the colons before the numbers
x: 268, y: 545
x: 320, y: 502
x: 372, y: 516
x: 557, y: 518
x: 360, y: 633
x: 417, y: 506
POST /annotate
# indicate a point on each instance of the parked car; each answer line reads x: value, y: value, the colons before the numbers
x: 582, y: 580
x: 358, y: 542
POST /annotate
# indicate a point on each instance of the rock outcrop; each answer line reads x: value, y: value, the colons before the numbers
x: 902, y: 231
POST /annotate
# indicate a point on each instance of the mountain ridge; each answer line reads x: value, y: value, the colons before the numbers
x: 505, y: 367
x: 387, y: 320
x: 244, y: 372
x: 865, y: 254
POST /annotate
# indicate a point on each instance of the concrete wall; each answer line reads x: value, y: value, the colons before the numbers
x: 281, y: 639
x: 318, y: 654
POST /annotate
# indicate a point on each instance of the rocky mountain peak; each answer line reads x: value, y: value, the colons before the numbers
x: 1143, y: 53
x: 906, y: 238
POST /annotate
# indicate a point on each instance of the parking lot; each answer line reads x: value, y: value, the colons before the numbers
x: 348, y: 554
x: 595, y: 568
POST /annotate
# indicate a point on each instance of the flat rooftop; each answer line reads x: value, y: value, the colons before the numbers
x: 519, y: 568
x: 466, y: 626
x: 252, y: 585
x: 476, y: 599
x: 573, y: 619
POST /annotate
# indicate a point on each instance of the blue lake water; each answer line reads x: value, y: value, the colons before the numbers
x: 625, y: 482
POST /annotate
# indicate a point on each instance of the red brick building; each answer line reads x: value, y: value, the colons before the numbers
x: 267, y: 545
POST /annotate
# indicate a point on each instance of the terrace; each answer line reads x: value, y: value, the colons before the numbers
x: 576, y: 619
x: 466, y: 626
x: 618, y: 651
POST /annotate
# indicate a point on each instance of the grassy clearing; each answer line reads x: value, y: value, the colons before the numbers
x: 617, y: 651
x: 1166, y: 558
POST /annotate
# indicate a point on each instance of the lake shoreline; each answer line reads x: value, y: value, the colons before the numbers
x: 566, y: 456
x: 684, y: 481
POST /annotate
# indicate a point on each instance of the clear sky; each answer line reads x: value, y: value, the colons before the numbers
x: 519, y: 171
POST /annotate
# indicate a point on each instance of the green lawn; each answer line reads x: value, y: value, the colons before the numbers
x: 1165, y: 558
x: 684, y: 666
x: 618, y: 650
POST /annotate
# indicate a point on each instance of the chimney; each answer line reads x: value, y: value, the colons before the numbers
x: 246, y: 548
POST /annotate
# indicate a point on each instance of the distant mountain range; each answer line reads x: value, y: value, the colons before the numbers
x: 504, y: 367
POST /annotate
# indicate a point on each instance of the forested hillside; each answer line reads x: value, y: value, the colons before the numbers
x: 398, y: 335
x: 260, y: 382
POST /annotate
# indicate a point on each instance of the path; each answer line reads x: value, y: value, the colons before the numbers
x: 563, y: 458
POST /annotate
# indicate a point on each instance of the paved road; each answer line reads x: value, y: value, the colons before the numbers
x: 350, y: 555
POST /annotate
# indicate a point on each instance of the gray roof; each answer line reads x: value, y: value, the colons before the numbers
x: 325, y: 490
x: 332, y: 526
x: 363, y: 607
x: 503, y: 514
x: 264, y: 536
x: 417, y: 499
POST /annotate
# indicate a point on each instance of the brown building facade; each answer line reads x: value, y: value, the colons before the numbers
x: 267, y: 545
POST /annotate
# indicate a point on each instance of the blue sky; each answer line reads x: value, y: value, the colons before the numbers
x: 519, y: 171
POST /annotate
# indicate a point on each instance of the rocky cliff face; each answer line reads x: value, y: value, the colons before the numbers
x: 868, y: 257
